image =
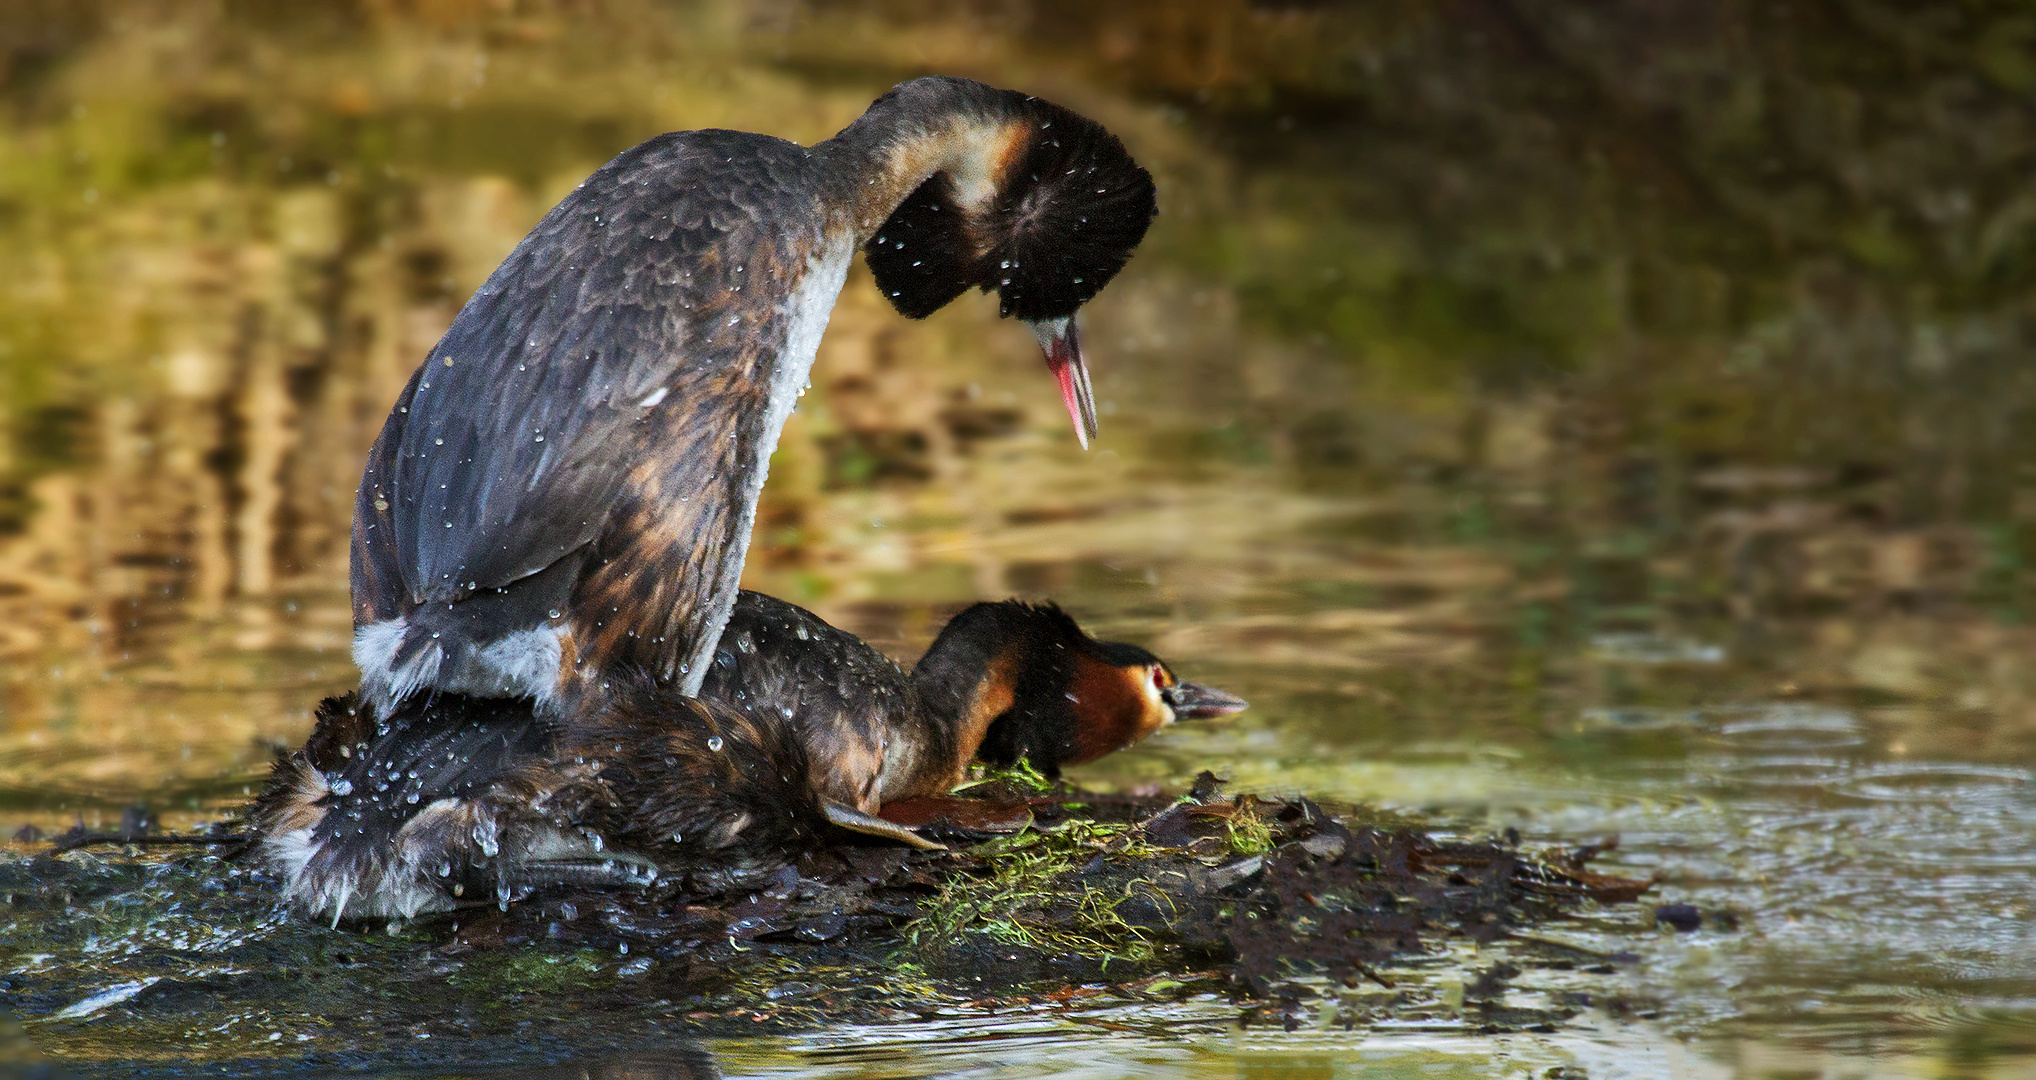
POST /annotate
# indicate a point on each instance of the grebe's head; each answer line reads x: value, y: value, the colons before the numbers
x: 1043, y: 207
x: 1063, y: 697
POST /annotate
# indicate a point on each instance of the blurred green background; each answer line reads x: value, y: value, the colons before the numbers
x: 1703, y: 310
x: 1695, y: 250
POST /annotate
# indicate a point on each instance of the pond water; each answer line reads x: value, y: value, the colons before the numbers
x: 1720, y: 554
x: 1862, y: 861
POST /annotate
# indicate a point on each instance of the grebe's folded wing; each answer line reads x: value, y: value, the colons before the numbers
x: 520, y: 426
x: 613, y: 384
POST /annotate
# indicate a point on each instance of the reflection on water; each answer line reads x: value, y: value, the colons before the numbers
x: 1861, y: 862
x: 1525, y: 461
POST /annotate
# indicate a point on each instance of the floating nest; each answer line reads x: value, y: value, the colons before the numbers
x: 1303, y: 915
x: 1194, y: 913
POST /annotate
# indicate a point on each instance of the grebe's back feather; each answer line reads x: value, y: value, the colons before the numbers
x: 698, y: 785
x: 455, y: 800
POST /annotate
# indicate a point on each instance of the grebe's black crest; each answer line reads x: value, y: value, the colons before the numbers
x: 1069, y: 207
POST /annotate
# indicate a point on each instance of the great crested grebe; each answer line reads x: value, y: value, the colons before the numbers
x: 1002, y: 681
x: 561, y: 500
x: 453, y: 799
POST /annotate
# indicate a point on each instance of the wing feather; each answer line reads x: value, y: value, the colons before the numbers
x: 526, y: 432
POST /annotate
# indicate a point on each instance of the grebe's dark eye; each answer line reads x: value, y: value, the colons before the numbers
x: 1160, y: 679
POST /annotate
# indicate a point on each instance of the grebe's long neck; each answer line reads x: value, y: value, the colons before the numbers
x: 927, y: 750
x: 969, y: 676
x: 965, y: 130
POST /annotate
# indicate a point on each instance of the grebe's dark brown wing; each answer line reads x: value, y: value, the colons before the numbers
x: 780, y: 664
x: 584, y: 403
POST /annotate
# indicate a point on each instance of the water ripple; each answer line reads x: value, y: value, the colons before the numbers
x: 1770, y: 770
x: 1936, y: 781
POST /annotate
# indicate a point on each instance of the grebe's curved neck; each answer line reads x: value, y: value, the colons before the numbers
x: 966, y: 130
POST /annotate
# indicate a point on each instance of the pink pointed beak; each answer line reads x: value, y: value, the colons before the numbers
x: 1064, y: 358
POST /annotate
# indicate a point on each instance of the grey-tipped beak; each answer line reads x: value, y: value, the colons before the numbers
x: 1191, y: 702
x: 1063, y: 346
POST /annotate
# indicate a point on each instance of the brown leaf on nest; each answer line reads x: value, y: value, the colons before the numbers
x: 1607, y: 889
x: 968, y: 815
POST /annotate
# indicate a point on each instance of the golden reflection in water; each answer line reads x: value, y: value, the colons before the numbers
x: 234, y: 233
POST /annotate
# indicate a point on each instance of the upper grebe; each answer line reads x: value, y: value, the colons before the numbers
x: 562, y: 497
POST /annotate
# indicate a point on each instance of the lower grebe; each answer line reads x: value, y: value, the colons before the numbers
x: 1002, y: 681
x: 800, y: 727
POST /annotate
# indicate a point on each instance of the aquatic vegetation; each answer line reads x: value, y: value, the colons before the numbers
x: 1023, y: 891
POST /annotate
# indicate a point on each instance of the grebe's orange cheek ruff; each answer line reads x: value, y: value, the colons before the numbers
x: 1112, y: 707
